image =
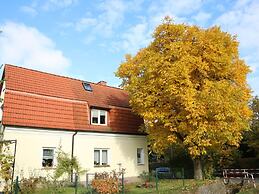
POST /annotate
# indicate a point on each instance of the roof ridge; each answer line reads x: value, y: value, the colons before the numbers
x: 67, y: 77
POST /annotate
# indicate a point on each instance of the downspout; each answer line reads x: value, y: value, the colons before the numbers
x: 72, y: 153
x: 14, y: 156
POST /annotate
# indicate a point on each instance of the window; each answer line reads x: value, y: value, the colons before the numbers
x: 98, y: 117
x: 140, y: 155
x: 87, y: 86
x: 48, y: 157
x: 100, y: 157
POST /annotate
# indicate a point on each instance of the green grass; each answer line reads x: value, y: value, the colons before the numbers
x: 65, y: 190
x: 167, y: 186
x: 250, y: 190
x: 164, y: 187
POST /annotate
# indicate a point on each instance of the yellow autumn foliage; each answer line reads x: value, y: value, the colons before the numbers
x: 190, y: 87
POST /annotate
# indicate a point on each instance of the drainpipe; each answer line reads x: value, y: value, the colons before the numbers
x: 14, y: 156
x: 72, y: 153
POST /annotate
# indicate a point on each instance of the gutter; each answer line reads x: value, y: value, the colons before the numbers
x: 72, y: 153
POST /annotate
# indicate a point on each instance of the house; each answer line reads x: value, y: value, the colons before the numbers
x: 91, y: 121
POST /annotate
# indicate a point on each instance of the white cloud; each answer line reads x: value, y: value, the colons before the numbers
x: 84, y: 23
x: 26, y: 46
x: 29, y: 10
x: 136, y: 37
x: 178, y: 10
x: 111, y: 17
x: 243, y: 20
x: 48, y: 5
x: 202, y: 17
x: 56, y: 4
x: 139, y: 35
x: 253, y: 82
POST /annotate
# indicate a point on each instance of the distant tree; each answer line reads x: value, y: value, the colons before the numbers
x: 190, y: 87
x: 252, y: 136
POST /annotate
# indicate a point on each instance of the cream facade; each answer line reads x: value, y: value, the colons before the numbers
x: 121, y: 150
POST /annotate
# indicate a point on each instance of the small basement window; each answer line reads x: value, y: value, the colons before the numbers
x: 98, y: 117
x: 48, y: 157
x: 87, y: 86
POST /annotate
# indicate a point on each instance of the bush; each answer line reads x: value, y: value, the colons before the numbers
x: 6, y: 166
x: 106, y: 183
x: 33, y: 184
x: 29, y: 185
x: 147, y: 176
x: 66, y: 165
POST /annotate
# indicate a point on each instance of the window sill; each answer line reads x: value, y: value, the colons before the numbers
x: 141, y: 164
x: 100, y: 166
x: 48, y: 168
x: 96, y: 124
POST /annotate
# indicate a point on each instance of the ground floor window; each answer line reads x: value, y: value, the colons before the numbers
x: 48, y: 157
x: 100, y: 157
x: 140, y: 155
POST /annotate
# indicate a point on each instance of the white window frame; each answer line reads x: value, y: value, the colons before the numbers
x: 99, y: 117
x: 101, y: 156
x: 141, y: 160
x: 42, y: 157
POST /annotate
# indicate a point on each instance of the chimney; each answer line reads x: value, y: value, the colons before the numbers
x: 104, y: 83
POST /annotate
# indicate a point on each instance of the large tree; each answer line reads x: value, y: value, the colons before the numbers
x: 189, y: 85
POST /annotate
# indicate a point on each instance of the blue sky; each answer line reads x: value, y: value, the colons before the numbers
x: 88, y: 39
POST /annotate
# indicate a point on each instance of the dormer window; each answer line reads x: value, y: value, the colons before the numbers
x: 98, y: 117
x: 87, y: 86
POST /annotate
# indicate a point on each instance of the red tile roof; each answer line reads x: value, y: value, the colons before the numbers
x: 38, y: 99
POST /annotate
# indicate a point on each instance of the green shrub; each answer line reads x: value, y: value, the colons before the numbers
x: 147, y: 176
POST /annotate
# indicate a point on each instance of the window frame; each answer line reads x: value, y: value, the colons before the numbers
x: 99, y: 117
x: 53, y: 157
x: 141, y: 160
x: 87, y: 86
x: 101, y: 157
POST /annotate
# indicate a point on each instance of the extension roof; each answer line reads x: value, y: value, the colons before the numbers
x: 43, y: 100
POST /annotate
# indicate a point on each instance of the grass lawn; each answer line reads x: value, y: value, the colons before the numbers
x: 65, y: 190
x: 164, y: 187
x: 250, y: 190
x: 168, y: 186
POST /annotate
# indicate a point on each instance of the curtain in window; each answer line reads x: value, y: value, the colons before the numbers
x: 94, y: 114
x: 140, y: 156
x: 97, y: 157
x: 48, y: 153
x: 102, y: 117
x: 104, y: 157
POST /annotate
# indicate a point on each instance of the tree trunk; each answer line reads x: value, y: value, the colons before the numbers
x: 197, y: 169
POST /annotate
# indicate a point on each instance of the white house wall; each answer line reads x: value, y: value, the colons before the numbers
x: 122, y: 149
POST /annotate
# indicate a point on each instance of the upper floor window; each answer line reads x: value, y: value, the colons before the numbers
x: 98, y: 117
